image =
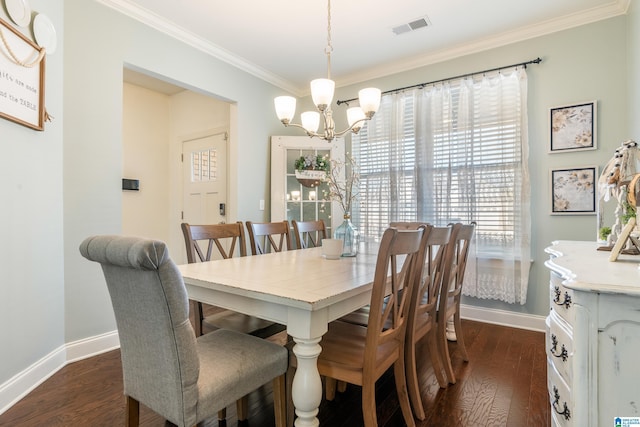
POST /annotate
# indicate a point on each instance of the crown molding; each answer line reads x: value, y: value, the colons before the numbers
x: 164, y: 26
x: 613, y: 9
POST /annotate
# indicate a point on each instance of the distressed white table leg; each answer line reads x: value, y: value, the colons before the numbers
x: 307, y: 386
x: 451, y: 330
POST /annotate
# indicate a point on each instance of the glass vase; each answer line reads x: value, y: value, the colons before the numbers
x: 349, y: 236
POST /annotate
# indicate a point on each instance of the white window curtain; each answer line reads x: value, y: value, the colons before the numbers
x: 455, y: 151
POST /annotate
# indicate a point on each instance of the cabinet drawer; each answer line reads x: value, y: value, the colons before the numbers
x: 560, y: 398
x: 559, y: 347
x: 561, y: 299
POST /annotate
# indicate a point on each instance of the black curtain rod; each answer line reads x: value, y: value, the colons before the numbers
x: 422, y: 85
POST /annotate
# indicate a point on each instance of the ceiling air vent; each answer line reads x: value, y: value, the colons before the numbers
x: 411, y: 26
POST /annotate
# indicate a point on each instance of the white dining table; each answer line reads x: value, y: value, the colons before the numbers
x: 300, y: 289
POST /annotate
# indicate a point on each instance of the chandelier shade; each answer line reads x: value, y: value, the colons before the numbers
x: 322, y: 91
x: 369, y: 99
x: 285, y: 108
x: 355, y: 116
x: 310, y: 121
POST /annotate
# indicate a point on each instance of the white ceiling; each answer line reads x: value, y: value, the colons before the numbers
x: 283, y: 41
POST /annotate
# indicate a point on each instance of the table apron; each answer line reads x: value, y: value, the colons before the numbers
x: 301, y: 321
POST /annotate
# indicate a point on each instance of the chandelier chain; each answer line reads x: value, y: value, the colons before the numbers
x: 322, y: 91
x: 329, y: 47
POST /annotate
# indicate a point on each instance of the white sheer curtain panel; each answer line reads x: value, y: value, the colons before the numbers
x: 456, y: 152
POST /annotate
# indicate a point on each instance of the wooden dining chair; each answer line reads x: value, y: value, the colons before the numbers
x: 266, y: 237
x: 226, y: 240
x: 360, y: 354
x: 361, y: 316
x: 451, y: 293
x: 402, y: 225
x: 183, y: 378
x: 309, y: 234
x: 423, y: 316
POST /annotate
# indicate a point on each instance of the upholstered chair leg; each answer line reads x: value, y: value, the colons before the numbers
x: 280, y: 401
x: 242, y: 407
x: 196, y: 309
x: 342, y: 386
x: 133, y: 412
x: 291, y: 415
x: 403, y: 396
x: 289, y: 383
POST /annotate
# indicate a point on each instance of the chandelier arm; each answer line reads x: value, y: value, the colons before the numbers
x: 296, y: 125
x: 350, y: 128
x: 325, y: 92
x: 328, y: 135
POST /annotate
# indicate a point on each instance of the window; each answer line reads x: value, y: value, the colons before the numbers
x: 204, y: 166
x: 454, y: 152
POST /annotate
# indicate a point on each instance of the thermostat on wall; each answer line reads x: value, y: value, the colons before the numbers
x: 130, y: 184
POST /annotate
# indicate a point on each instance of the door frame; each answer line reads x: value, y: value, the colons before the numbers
x: 176, y: 188
x: 279, y: 145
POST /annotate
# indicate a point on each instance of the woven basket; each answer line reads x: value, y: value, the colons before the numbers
x: 310, y: 178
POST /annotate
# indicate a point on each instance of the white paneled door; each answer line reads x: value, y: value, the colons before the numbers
x: 204, y: 166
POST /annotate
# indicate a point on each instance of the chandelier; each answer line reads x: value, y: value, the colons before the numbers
x: 322, y: 94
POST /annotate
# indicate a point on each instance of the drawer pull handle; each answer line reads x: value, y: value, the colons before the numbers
x: 565, y: 411
x: 564, y: 354
x: 567, y: 298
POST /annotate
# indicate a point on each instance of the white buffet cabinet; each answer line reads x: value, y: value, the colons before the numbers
x: 593, y: 335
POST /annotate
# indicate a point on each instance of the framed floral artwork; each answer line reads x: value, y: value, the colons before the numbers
x: 573, y: 127
x: 573, y: 191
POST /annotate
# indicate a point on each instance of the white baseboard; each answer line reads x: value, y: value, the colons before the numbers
x: 23, y: 383
x: 503, y: 317
x: 88, y: 347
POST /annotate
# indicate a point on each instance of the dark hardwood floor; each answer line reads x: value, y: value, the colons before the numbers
x: 503, y: 384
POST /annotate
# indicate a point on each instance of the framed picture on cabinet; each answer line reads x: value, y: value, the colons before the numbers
x: 573, y: 191
x: 572, y: 127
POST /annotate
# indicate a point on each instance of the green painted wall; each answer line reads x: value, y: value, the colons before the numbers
x: 63, y: 184
x: 581, y: 64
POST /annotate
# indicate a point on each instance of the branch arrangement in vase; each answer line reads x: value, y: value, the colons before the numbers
x: 343, y: 190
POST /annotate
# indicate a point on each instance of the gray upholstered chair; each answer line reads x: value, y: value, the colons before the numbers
x: 166, y: 368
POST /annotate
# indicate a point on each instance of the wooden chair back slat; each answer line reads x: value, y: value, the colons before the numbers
x: 213, y: 234
x: 309, y: 234
x: 263, y: 236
